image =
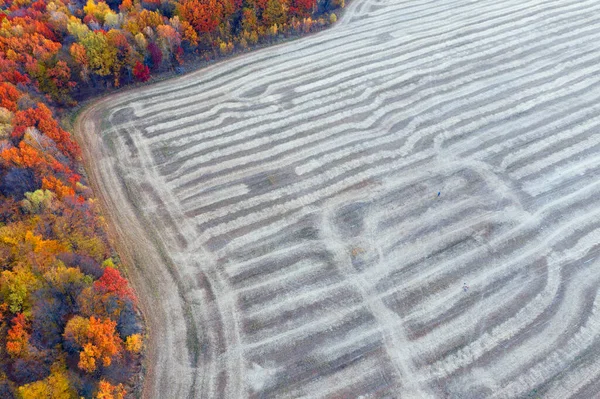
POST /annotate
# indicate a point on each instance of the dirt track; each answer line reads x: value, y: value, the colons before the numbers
x: 402, y: 205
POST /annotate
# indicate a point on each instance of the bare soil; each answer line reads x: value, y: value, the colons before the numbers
x: 401, y: 206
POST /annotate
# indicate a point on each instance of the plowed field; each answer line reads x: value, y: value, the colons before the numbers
x: 404, y: 205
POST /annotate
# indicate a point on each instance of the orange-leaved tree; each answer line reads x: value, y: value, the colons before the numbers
x: 96, y: 339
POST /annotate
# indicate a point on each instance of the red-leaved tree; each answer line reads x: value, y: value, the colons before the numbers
x: 141, y: 72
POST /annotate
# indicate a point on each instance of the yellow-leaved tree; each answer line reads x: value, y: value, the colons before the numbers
x: 55, y: 386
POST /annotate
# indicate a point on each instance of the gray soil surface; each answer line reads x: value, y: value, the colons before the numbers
x: 405, y: 205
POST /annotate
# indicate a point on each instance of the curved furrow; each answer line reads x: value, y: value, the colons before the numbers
x: 403, y: 205
x: 287, y: 145
x: 511, y: 31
